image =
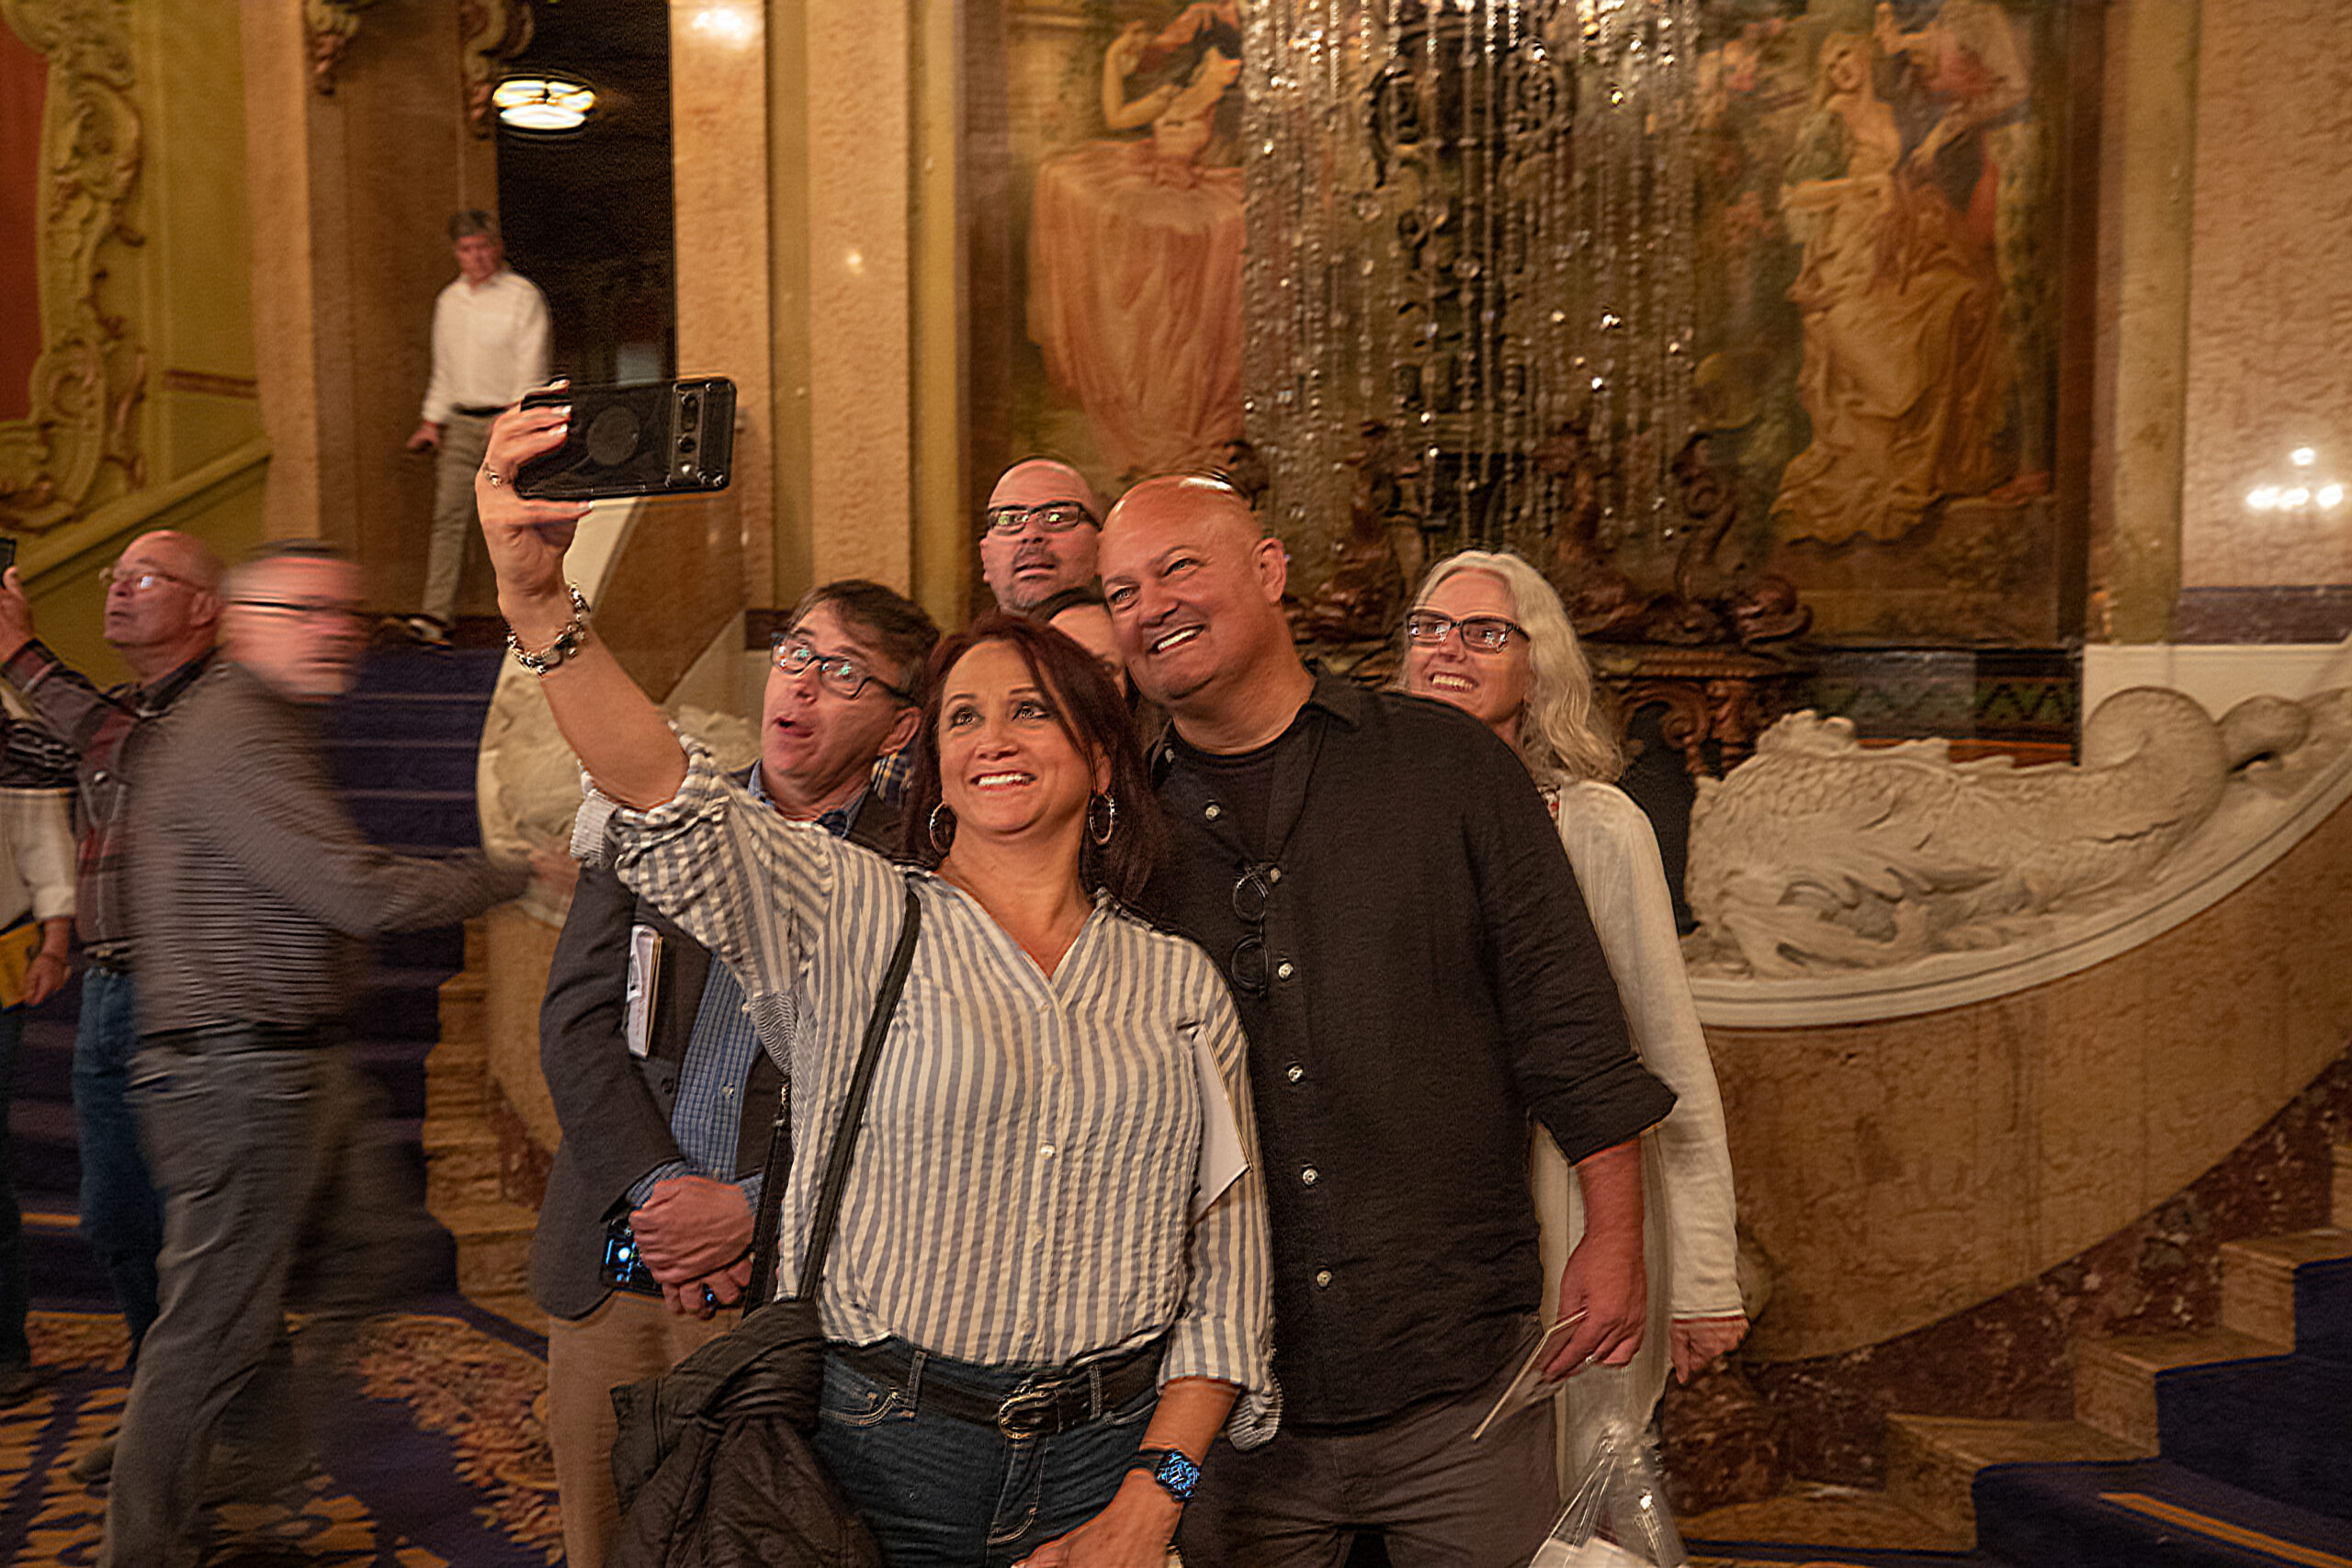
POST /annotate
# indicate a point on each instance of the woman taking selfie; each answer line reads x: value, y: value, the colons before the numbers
x: 1488, y: 635
x: 1046, y: 1293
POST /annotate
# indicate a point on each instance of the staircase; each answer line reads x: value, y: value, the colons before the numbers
x: 2228, y: 1447
x: 402, y: 748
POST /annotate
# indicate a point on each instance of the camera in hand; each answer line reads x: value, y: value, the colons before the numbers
x: 624, y: 1267
x: 634, y: 439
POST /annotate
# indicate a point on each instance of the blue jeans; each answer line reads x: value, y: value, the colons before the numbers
x: 940, y: 1493
x: 15, y: 1295
x: 122, y: 1215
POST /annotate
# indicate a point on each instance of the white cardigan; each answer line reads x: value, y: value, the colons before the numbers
x: 1689, y: 1221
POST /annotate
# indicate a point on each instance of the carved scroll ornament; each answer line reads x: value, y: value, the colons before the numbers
x: 92, y: 371
x: 490, y: 33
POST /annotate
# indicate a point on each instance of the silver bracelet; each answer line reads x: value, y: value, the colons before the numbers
x: 568, y: 641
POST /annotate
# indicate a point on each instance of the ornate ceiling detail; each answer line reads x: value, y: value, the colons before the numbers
x: 92, y: 370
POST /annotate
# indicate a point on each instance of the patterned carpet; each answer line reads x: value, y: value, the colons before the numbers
x: 433, y: 1453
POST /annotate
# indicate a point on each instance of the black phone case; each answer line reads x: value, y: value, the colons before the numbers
x: 636, y: 438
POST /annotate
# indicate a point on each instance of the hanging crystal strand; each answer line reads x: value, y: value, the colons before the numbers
x: 1680, y: 237
x: 1510, y: 284
x: 1608, y: 264
x: 1556, y: 247
x: 1435, y: 200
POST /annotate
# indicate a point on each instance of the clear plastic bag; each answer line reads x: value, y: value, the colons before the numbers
x: 1618, y: 1517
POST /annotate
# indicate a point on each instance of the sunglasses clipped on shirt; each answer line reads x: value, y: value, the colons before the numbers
x: 838, y: 673
x: 1480, y: 634
x: 1054, y: 517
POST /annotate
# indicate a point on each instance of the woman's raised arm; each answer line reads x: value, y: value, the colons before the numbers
x: 615, y: 729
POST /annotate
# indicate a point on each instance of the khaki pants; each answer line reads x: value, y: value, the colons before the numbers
x: 629, y: 1337
x: 463, y: 440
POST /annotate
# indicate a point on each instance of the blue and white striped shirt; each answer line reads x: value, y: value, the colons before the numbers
x: 1023, y: 1189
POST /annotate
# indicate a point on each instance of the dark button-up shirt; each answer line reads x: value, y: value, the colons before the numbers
x: 1431, y: 978
x: 250, y: 884
x: 107, y: 730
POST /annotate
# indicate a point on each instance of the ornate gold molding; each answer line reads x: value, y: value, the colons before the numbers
x: 328, y: 27
x: 92, y: 370
x: 490, y: 33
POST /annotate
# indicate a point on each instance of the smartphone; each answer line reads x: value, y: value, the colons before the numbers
x: 7, y: 551
x: 624, y: 1269
x: 636, y: 438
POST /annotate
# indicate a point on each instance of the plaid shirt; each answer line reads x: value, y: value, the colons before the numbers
x: 107, y: 730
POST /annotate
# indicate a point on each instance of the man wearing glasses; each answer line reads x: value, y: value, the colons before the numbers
x: 662, y: 1090
x: 1042, y: 524
x: 1412, y: 961
x: 163, y: 603
x: 252, y: 892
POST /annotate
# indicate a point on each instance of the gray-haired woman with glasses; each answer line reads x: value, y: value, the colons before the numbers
x: 1488, y: 635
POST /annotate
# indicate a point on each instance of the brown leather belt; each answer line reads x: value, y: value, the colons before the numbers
x: 1055, y: 1400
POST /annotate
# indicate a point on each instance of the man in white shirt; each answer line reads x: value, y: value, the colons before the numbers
x: 490, y: 346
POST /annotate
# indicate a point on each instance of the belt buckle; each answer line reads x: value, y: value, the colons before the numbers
x: 1028, y: 1412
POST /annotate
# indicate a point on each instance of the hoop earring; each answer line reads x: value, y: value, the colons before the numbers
x: 936, y: 843
x: 1110, y: 819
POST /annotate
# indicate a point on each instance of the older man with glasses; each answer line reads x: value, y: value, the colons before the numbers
x: 1042, y: 524
x: 161, y: 606
x: 251, y: 893
x: 660, y: 1085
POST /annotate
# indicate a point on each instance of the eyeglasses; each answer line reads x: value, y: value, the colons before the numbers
x: 308, y: 609
x: 838, y: 673
x: 1480, y: 634
x: 136, y: 581
x: 1247, y: 967
x: 1054, y: 517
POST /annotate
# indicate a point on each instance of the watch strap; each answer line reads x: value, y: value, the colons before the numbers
x: 1176, y: 1474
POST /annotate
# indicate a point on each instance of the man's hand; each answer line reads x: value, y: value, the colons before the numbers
x: 1603, y: 1277
x: 553, y: 869
x: 16, y: 616
x: 1695, y: 1342
x: 702, y: 1298
x: 426, y: 438
x: 45, y: 971
x: 691, y: 1227
x: 44, y: 977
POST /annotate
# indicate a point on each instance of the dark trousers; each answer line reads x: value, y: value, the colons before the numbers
x: 15, y: 1295
x: 1435, y: 1498
x: 122, y: 1216
x: 279, y: 1187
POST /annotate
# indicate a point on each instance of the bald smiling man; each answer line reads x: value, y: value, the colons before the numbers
x: 1412, y: 961
x: 1042, y: 524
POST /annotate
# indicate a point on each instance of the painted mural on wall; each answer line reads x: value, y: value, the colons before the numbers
x: 1875, y: 254
x: 1878, y: 260
x: 1121, y: 281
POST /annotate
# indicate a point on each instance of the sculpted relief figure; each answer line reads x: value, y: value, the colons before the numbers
x: 1817, y: 854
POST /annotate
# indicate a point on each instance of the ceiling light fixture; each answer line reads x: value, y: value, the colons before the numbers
x: 543, y: 103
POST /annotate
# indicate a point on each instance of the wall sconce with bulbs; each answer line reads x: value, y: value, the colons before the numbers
x: 543, y: 103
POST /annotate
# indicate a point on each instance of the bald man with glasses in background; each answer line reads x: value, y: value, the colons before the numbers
x: 665, y: 1092
x: 161, y: 609
x: 1039, y: 533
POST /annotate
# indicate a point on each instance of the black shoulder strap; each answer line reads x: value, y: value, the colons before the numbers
x: 846, y: 1132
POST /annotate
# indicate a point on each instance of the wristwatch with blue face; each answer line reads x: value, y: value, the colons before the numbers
x: 1175, y: 1473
